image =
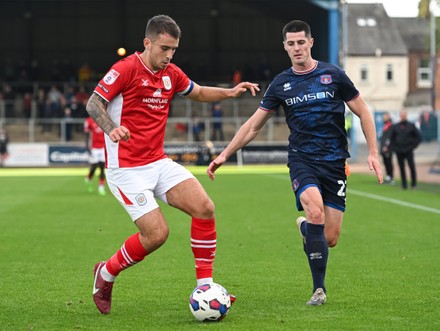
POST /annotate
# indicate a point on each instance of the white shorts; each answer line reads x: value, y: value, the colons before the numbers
x: 136, y: 188
x: 97, y: 155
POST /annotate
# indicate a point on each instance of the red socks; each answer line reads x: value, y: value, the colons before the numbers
x: 128, y: 255
x: 203, y: 245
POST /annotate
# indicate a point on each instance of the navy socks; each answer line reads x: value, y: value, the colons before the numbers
x: 316, y: 249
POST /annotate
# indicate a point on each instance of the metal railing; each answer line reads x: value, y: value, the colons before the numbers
x: 178, y: 129
x: 30, y: 126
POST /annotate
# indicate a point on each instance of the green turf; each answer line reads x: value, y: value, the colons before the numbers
x: 382, y: 276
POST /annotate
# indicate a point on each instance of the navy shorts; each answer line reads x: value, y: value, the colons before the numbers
x: 328, y: 176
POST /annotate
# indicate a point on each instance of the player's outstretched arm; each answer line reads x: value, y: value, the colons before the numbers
x: 239, y: 89
x: 374, y: 164
x: 97, y: 109
x: 212, y: 94
x: 214, y: 165
x: 247, y: 132
x: 359, y: 107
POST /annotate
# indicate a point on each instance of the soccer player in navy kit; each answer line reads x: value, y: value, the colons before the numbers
x: 313, y: 95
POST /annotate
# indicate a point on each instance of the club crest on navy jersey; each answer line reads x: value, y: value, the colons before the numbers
x: 166, y: 82
x: 326, y: 79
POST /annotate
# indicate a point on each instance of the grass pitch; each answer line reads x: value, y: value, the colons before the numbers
x: 383, y: 275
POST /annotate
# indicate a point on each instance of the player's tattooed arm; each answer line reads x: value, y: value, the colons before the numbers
x: 97, y: 109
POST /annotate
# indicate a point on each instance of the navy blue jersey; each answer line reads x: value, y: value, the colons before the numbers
x: 313, y: 103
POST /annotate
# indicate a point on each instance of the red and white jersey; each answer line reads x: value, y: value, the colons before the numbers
x: 96, y: 134
x: 139, y: 99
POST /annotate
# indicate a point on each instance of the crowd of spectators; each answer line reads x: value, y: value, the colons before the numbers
x: 26, y: 93
x: 64, y: 94
x: 48, y: 102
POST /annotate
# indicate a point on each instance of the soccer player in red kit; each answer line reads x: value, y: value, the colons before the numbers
x: 131, y: 105
x: 95, y: 144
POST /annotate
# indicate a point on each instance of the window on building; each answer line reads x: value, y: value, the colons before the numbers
x: 390, y: 73
x: 424, y: 74
x: 364, y: 73
x: 366, y: 21
x: 371, y: 22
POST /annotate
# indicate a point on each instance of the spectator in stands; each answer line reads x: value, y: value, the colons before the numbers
x: 67, y: 123
x: 428, y: 125
x: 197, y: 126
x: 9, y: 99
x: 46, y: 116
x: 405, y: 138
x: 40, y: 100
x: 217, y: 122
x: 84, y: 73
x: 4, y: 141
x: 385, y: 148
x: 69, y: 93
x: 27, y: 104
x: 236, y: 77
x: 82, y: 95
x: 78, y: 112
x: 56, y: 100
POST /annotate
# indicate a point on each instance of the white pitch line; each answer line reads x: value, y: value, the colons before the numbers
x: 380, y: 198
x: 396, y: 202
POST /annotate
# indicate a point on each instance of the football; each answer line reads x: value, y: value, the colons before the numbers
x: 209, y: 302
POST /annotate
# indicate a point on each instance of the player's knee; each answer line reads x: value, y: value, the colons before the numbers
x: 332, y: 242
x: 316, y: 216
x: 155, y: 237
x: 332, y: 238
x: 205, y: 209
x: 162, y: 234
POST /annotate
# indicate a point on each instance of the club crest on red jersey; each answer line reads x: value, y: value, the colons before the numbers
x: 111, y: 77
x: 326, y: 79
x: 166, y: 82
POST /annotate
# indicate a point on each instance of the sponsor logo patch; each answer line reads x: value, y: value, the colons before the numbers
x: 157, y: 93
x: 315, y: 256
x: 111, y: 77
x: 102, y: 87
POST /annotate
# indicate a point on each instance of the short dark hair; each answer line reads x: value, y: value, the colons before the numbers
x: 161, y: 24
x: 297, y: 26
